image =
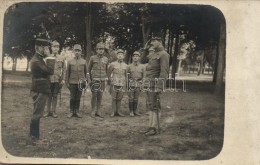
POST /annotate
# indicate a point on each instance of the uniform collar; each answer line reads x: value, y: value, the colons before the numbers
x: 77, y: 58
x: 135, y: 63
x: 39, y: 55
x: 100, y: 56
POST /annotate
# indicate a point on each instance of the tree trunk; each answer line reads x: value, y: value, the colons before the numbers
x: 88, y: 32
x: 146, y: 30
x: 201, y: 63
x: 14, y: 64
x: 175, y: 53
x: 221, y: 58
x: 179, y: 67
x: 27, y: 64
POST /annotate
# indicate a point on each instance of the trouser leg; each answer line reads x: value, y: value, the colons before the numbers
x: 93, y: 103
x: 131, y: 102
x: 135, y: 104
x: 54, y: 104
x: 118, y: 103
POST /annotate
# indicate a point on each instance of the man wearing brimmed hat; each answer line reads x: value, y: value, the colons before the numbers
x: 57, y: 79
x: 76, y: 76
x: 40, y: 89
x: 97, y: 67
x: 135, y: 74
x: 156, y: 73
x: 117, y: 76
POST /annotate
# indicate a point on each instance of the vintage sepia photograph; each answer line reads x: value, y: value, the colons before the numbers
x: 113, y: 81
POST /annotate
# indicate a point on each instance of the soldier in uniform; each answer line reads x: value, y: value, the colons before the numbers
x: 97, y: 67
x: 157, y: 72
x: 135, y: 74
x: 76, y: 77
x: 40, y: 89
x: 117, y: 76
x: 57, y: 79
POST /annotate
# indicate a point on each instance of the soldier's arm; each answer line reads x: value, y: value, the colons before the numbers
x: 68, y: 73
x: 164, y: 63
x: 43, y: 68
x: 63, y: 70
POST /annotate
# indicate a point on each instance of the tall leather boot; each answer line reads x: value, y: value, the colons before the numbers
x: 99, y: 100
x: 34, y: 129
x: 72, y: 108
x: 54, y: 105
x: 135, y: 104
x: 131, y: 108
x: 113, y: 108
x: 93, y: 105
x: 77, y: 105
x: 118, y: 108
x: 49, y: 100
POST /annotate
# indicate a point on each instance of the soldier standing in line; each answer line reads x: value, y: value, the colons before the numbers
x: 76, y: 77
x: 117, y: 77
x: 40, y: 89
x: 157, y: 72
x: 97, y: 67
x: 57, y: 79
x: 135, y: 74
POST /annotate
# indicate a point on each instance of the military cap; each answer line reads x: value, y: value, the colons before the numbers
x: 42, y: 42
x: 120, y: 51
x: 100, y: 45
x: 156, y: 38
x: 151, y: 49
x: 136, y: 53
x: 77, y: 47
x: 55, y: 43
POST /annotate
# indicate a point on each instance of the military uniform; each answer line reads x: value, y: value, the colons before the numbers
x: 40, y: 88
x: 118, y: 85
x: 97, y: 67
x: 56, y: 78
x: 76, y: 73
x: 135, y: 73
x: 157, y: 68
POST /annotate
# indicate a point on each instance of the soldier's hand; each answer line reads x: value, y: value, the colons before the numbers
x: 62, y: 82
x: 68, y: 85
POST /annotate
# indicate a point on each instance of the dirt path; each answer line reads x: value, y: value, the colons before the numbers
x: 192, y: 128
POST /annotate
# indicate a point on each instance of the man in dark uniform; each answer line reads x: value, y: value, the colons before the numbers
x: 157, y: 72
x: 40, y: 89
x: 76, y: 79
x: 97, y: 67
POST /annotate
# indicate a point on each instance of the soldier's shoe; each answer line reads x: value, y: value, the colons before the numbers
x: 137, y: 114
x: 78, y: 115
x: 151, y: 132
x: 47, y: 115
x: 132, y: 114
x: 70, y: 115
x: 54, y: 115
x: 98, y: 114
x: 93, y: 114
x: 120, y: 114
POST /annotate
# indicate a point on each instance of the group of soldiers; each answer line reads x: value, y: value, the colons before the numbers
x: 50, y: 72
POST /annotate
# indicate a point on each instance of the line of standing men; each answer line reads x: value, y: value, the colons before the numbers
x: 121, y: 78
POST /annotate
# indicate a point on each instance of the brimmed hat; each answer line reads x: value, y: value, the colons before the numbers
x: 55, y: 43
x: 151, y: 49
x: 120, y: 51
x: 100, y: 45
x: 77, y: 47
x: 156, y: 38
x: 42, y: 42
x: 136, y: 53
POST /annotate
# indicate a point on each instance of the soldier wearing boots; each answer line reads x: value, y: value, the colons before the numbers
x: 97, y: 67
x: 76, y: 73
x: 135, y: 74
x: 40, y: 89
x: 117, y: 70
x: 57, y: 79
x: 157, y: 72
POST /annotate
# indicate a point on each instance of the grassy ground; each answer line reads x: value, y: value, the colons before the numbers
x: 192, y: 126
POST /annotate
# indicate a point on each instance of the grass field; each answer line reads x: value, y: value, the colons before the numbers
x: 192, y: 126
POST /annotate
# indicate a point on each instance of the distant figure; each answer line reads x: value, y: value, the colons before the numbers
x: 157, y: 68
x: 76, y: 73
x: 40, y: 89
x: 98, y: 67
x: 135, y: 76
x: 117, y: 76
x: 57, y: 79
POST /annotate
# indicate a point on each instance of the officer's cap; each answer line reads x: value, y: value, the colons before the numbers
x: 55, y: 43
x: 156, y: 38
x: 151, y: 49
x: 77, y: 47
x: 136, y: 53
x: 42, y: 42
x: 100, y: 45
x: 120, y: 51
